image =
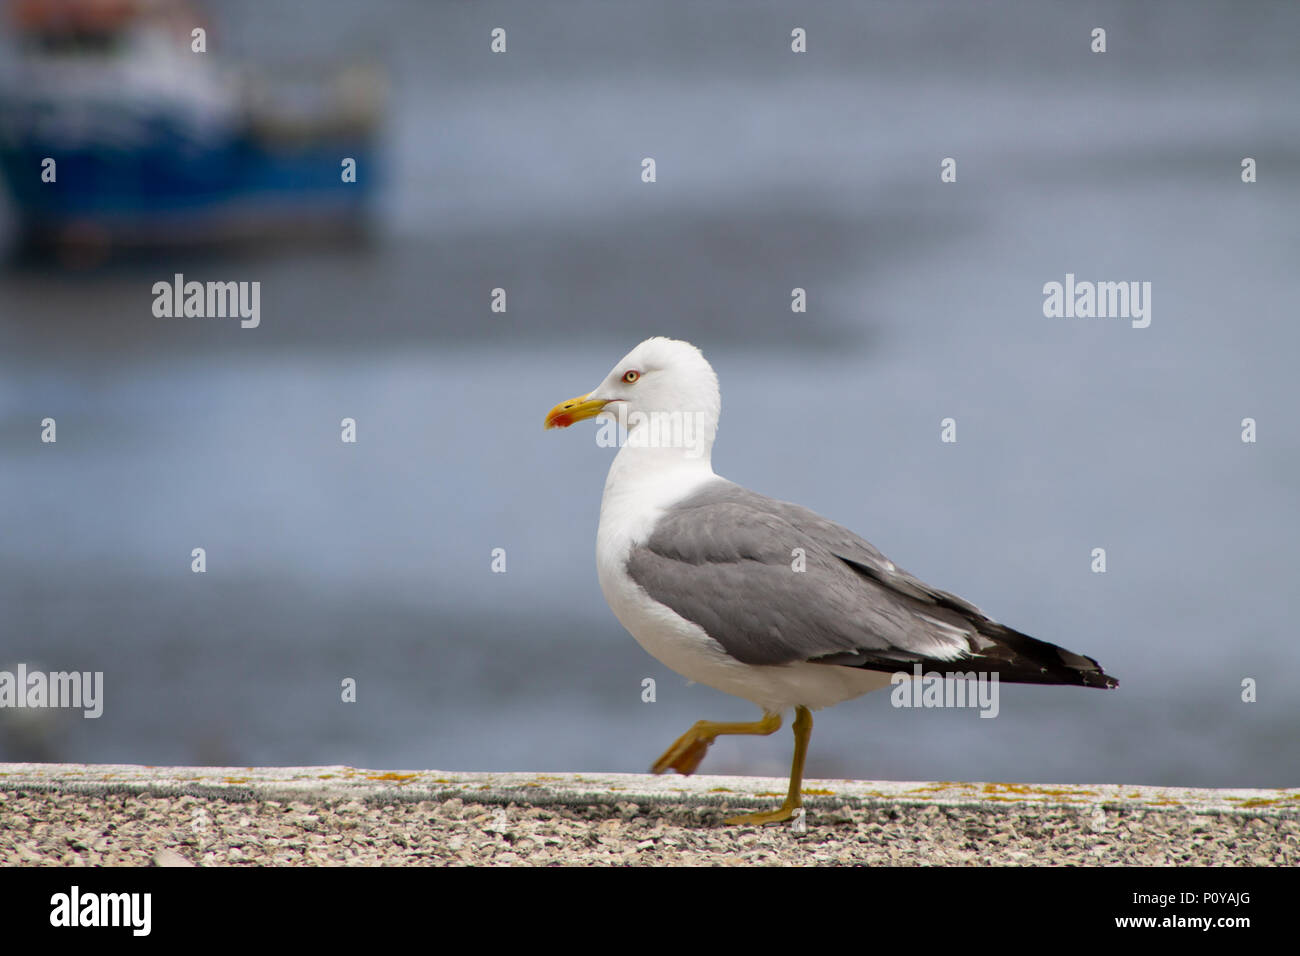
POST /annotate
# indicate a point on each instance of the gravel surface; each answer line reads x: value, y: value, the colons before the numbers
x: 140, y: 829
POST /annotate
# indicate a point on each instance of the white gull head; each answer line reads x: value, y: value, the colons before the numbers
x: 664, y: 393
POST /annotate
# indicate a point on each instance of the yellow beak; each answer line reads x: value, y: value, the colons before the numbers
x: 574, y: 410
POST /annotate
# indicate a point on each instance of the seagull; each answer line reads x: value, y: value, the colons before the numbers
x: 759, y: 598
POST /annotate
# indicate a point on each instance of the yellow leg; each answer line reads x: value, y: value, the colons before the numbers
x: 803, y: 724
x: 685, y: 755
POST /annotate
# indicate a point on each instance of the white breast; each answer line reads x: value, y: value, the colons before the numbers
x: 631, y: 506
x: 633, y: 502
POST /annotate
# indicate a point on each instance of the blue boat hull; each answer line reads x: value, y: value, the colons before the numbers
x: 171, y: 190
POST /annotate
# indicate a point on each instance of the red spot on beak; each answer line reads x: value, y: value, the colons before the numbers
x: 561, y: 421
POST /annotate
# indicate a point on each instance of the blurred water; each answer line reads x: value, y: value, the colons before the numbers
x: 373, y: 561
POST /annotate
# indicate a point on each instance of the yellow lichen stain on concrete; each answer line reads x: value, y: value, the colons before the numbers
x: 398, y: 778
x: 721, y: 790
x: 814, y: 792
x: 1259, y: 802
x: 940, y: 787
x: 1027, y: 790
x: 236, y: 779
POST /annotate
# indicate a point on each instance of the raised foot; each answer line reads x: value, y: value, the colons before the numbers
x: 786, y: 812
x: 684, y: 756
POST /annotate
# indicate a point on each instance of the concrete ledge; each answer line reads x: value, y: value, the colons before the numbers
x: 78, y: 814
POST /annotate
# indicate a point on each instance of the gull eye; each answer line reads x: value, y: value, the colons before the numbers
x: 631, y: 375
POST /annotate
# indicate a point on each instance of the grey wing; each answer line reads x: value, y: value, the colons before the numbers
x: 775, y: 583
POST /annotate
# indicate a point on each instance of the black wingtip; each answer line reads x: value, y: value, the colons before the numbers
x: 1038, y: 662
x: 1086, y: 669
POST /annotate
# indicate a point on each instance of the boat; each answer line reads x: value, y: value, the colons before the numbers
x: 116, y: 130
